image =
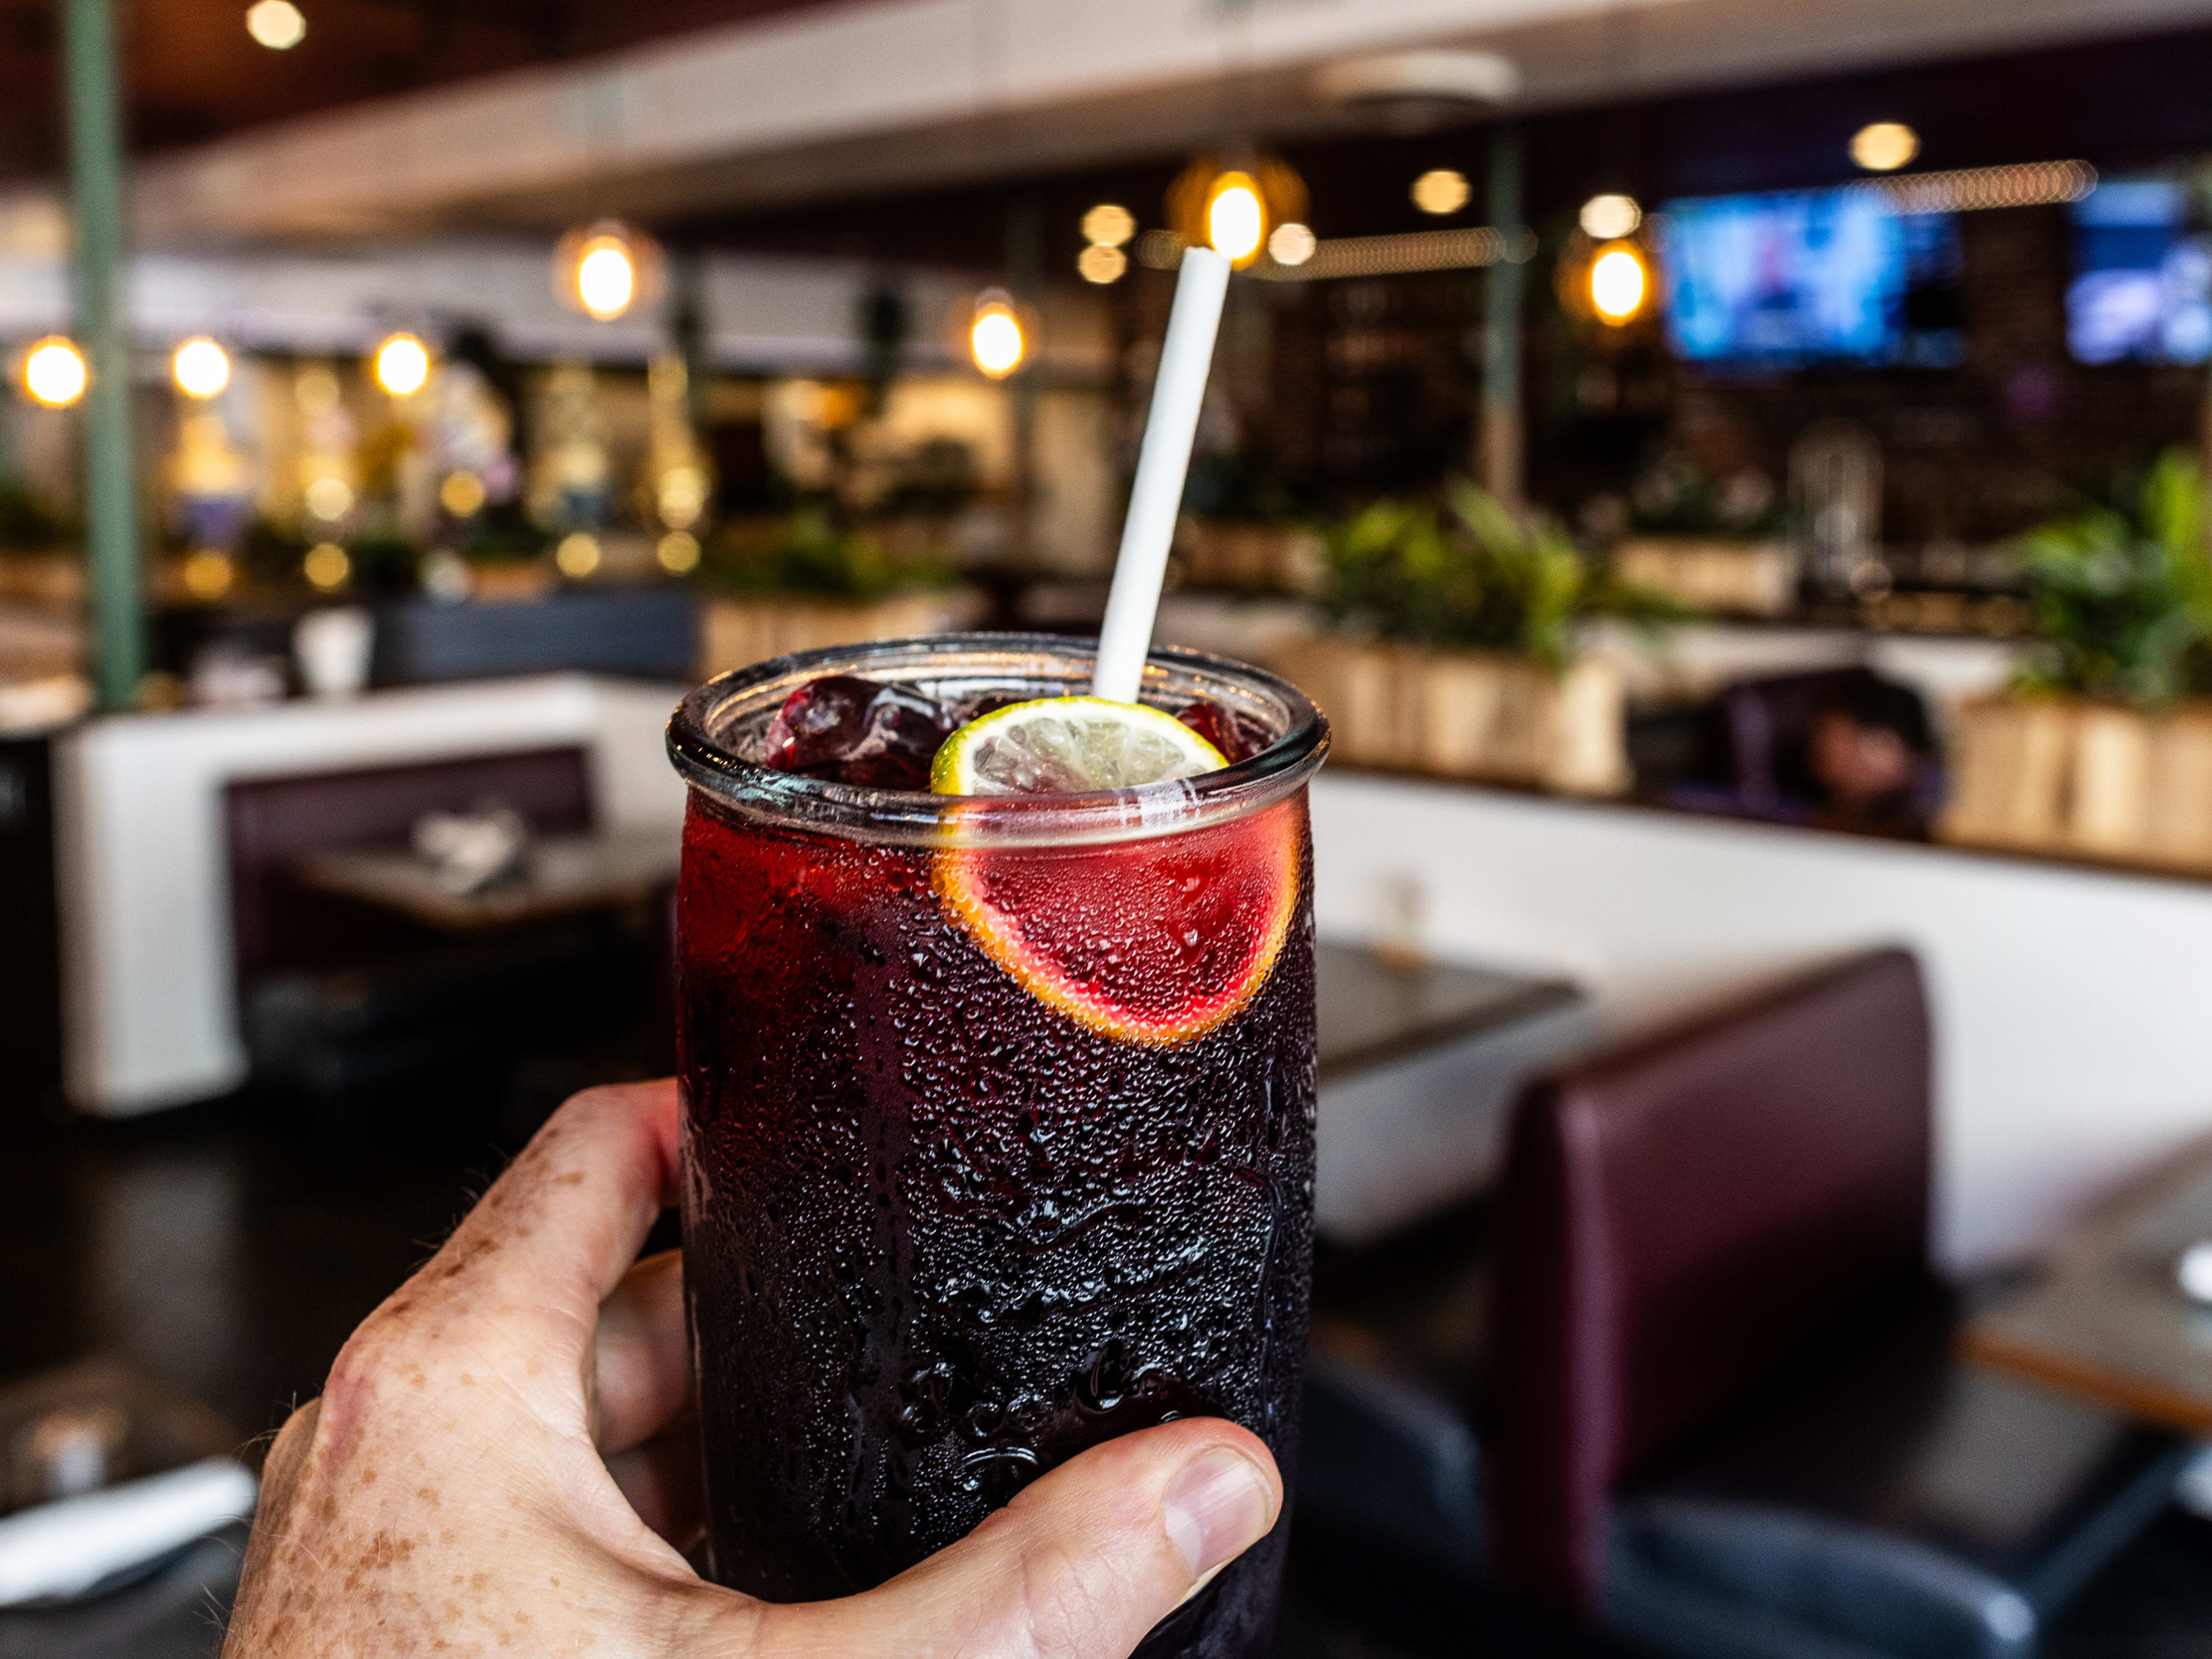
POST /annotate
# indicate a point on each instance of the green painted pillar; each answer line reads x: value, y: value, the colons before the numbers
x: 1502, y: 441
x: 111, y: 502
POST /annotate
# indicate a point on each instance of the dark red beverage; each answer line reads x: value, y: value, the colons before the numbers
x: 997, y: 1127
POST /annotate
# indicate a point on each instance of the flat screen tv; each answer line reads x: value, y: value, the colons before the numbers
x: 2142, y: 290
x: 1810, y: 278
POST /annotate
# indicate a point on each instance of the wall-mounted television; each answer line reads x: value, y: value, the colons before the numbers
x: 1810, y: 278
x: 2142, y: 290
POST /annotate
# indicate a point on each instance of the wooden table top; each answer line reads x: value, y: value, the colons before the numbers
x: 2107, y: 1321
x: 560, y: 875
x: 1373, y: 1011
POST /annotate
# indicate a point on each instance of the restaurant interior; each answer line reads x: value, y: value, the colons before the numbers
x: 1733, y: 476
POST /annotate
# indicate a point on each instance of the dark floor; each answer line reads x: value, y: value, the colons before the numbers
x: 227, y: 1251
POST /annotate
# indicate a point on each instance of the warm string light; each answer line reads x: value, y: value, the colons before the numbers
x: 1236, y: 219
x: 55, y: 373
x: 1618, y: 284
x: 200, y: 367
x: 402, y: 365
x: 1973, y: 190
x: 996, y: 340
x: 1233, y: 206
x: 1329, y: 259
x: 606, y: 270
x: 606, y: 280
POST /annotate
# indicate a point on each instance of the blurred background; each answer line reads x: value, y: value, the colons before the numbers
x: 1734, y: 475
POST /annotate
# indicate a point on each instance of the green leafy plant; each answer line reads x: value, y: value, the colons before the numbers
x: 2123, y: 596
x: 1472, y: 575
x: 816, y: 556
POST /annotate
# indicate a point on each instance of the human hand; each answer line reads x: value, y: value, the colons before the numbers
x: 503, y: 1454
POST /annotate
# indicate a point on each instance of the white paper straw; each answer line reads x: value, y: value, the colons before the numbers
x: 1162, y: 464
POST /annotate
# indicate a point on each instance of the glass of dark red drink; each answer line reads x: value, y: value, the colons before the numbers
x: 998, y: 1111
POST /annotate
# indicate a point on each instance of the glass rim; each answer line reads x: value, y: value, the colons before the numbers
x: 711, y: 766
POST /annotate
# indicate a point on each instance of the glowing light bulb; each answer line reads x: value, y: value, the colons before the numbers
x: 1616, y: 284
x: 1109, y: 225
x: 276, y: 24
x: 678, y: 552
x: 995, y: 339
x: 402, y: 365
x: 1884, y: 146
x: 1293, y: 244
x: 1441, y: 190
x: 1609, y: 217
x: 54, y: 373
x: 200, y: 367
x: 606, y: 278
x: 1236, y: 218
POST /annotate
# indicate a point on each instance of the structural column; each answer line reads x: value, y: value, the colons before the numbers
x: 1502, y: 442
x: 111, y: 502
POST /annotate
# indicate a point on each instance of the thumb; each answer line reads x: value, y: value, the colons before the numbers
x: 1083, y: 1562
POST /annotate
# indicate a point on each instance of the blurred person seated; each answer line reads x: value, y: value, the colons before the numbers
x: 1871, y: 756
x: 1839, y: 748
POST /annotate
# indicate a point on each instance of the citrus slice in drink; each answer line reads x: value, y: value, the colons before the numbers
x: 1156, y: 941
x: 1058, y: 745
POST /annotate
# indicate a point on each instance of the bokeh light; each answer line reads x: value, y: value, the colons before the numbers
x: 1109, y: 225
x: 327, y: 565
x: 200, y: 367
x: 1236, y: 218
x: 1441, y: 190
x: 402, y: 365
x: 578, y: 555
x: 1884, y: 146
x: 276, y: 24
x: 1293, y: 244
x: 1100, y: 264
x: 54, y: 373
x: 1618, y: 283
x: 1609, y: 217
x: 995, y: 339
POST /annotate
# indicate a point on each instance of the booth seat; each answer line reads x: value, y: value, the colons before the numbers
x: 1710, y: 1402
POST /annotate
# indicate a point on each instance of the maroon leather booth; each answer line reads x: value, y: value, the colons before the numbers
x: 1682, y: 1215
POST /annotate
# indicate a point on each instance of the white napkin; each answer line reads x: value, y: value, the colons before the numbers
x: 64, y: 1548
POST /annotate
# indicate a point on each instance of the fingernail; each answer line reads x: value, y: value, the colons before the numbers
x: 1216, y: 1509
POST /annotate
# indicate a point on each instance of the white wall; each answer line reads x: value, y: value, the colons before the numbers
x: 149, y: 1014
x: 2072, y: 1007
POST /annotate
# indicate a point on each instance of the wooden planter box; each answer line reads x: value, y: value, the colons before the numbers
x: 516, y: 581
x: 42, y: 578
x: 734, y: 633
x: 1707, y: 573
x: 1266, y: 557
x: 1469, y: 713
x: 2085, y: 780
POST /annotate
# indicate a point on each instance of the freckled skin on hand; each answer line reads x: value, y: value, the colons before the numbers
x: 518, y: 1534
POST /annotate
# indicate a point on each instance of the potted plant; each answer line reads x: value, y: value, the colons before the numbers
x: 811, y: 581
x: 1716, y: 545
x: 2103, y: 746
x: 1455, y: 647
x: 1239, y: 529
